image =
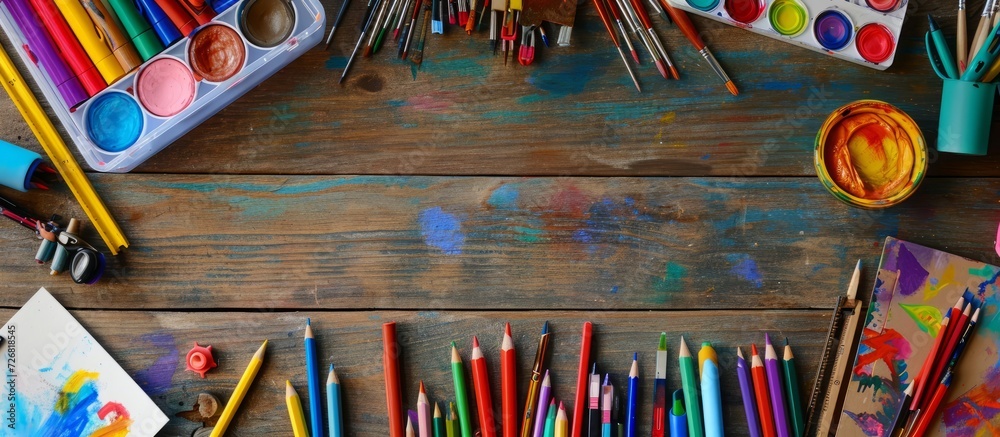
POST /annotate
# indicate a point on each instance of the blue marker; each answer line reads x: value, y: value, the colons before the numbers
x: 711, y: 392
x: 678, y: 418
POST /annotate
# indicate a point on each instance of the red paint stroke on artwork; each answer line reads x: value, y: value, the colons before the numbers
x: 887, y: 347
x: 569, y: 201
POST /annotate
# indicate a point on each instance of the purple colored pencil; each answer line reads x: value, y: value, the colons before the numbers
x: 414, y: 419
x: 543, y: 399
x: 774, y: 386
x: 43, y: 49
x: 746, y: 389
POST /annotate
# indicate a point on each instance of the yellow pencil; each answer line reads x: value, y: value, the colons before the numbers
x: 295, y: 411
x: 239, y: 392
x: 562, y: 424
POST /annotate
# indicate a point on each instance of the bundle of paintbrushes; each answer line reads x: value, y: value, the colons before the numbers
x: 513, y: 26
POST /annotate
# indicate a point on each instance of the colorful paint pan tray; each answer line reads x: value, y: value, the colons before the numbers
x: 864, y: 32
x: 173, y: 92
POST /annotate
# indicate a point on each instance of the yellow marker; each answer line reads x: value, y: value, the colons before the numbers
x: 295, y: 411
x: 239, y: 392
x: 94, y: 43
x: 119, y: 43
x: 61, y: 157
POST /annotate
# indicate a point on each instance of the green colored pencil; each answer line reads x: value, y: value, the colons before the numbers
x: 461, y: 394
x: 794, y: 396
x: 550, y: 420
x: 689, y: 382
x: 451, y: 423
x: 439, y: 424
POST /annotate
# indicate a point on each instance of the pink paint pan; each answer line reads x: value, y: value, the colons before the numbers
x: 165, y: 87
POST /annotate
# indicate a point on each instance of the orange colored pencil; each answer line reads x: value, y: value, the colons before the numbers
x: 508, y: 385
x: 759, y: 377
x: 390, y: 366
x: 583, y: 375
x: 481, y: 384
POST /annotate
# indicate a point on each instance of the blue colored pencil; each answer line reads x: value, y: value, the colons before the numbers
x: 315, y: 398
x: 631, y: 409
x: 333, y: 411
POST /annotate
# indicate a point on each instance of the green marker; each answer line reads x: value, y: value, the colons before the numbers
x: 461, y: 394
x: 792, y: 388
x: 689, y: 383
x: 145, y: 40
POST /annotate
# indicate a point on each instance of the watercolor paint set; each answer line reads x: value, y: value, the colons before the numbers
x: 124, y: 98
x: 864, y: 32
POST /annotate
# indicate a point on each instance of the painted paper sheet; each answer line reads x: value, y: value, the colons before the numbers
x: 60, y: 382
x: 915, y: 287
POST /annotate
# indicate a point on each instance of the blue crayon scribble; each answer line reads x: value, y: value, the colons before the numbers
x: 442, y: 230
x: 157, y: 378
x: 745, y: 268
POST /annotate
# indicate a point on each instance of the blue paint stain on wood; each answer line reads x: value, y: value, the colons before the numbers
x: 442, y: 230
x: 336, y: 62
x: 745, y: 268
x: 297, y: 189
x: 157, y: 378
x: 672, y: 280
x: 504, y: 197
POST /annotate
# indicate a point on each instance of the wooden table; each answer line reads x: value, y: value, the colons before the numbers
x: 474, y: 194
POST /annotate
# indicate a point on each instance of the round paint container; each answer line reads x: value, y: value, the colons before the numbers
x: 833, y: 30
x: 788, y: 17
x: 875, y: 43
x: 884, y: 5
x: 870, y: 154
x: 267, y: 23
x: 704, y: 5
x: 216, y: 52
x: 165, y: 87
x: 113, y: 121
x: 744, y: 11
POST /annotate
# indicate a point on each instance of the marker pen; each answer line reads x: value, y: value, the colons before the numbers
x: 121, y: 47
x: 68, y: 47
x: 199, y: 10
x: 145, y: 40
x: 43, y: 51
x: 153, y: 13
x: 179, y: 16
x: 91, y: 40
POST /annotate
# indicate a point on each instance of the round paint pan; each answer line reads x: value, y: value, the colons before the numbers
x: 216, y: 53
x: 788, y: 17
x: 704, y: 5
x: 884, y: 5
x: 744, y: 11
x: 267, y: 23
x: 165, y: 87
x: 875, y: 43
x: 114, y: 121
x: 870, y: 154
x: 833, y: 29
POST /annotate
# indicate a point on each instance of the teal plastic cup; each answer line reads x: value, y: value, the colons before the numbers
x: 966, y: 114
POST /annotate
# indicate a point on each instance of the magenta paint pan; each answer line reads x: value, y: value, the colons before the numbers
x: 165, y: 87
x: 216, y: 53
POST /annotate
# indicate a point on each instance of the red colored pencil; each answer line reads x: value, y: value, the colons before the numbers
x: 759, y: 376
x: 927, y: 414
x: 390, y: 365
x: 581, y: 381
x: 508, y: 385
x: 481, y: 383
x: 931, y: 360
x: 941, y: 360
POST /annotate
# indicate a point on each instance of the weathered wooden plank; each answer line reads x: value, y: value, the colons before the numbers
x: 151, y: 347
x: 573, y: 112
x: 499, y: 243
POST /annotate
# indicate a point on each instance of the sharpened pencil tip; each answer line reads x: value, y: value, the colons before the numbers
x: 475, y: 341
x: 506, y: 328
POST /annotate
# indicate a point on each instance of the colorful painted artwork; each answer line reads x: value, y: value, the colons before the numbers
x: 59, y: 382
x: 914, y: 288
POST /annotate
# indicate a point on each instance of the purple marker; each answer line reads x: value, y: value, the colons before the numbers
x: 543, y: 399
x: 775, y: 389
x: 42, y: 50
x: 749, y: 402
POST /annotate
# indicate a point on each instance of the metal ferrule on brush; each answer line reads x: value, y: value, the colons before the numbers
x: 705, y: 53
x: 659, y: 46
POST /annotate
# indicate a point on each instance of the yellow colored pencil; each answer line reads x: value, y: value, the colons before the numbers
x: 295, y: 411
x: 241, y: 390
x: 562, y: 423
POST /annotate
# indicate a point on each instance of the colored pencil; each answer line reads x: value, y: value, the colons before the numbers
x: 774, y: 387
x: 711, y: 390
x: 508, y: 385
x: 241, y: 390
x: 904, y: 410
x: 689, y: 381
x: 797, y: 419
x: 451, y: 423
x: 531, y: 401
x: 550, y: 420
x: 678, y: 418
x: 581, y: 381
x: 836, y: 386
x: 942, y: 334
x: 390, y: 366
x: 294, y: 405
x: 562, y: 423
x: 461, y: 392
x: 966, y: 336
x: 334, y: 412
x: 761, y: 392
x: 607, y: 399
x: 439, y: 425
x: 594, y: 406
x: 409, y: 427
x: 961, y: 44
x: 632, y: 407
x: 543, y: 399
x: 660, y: 389
x: 315, y: 396
x: 927, y: 414
x: 423, y: 413
x: 481, y: 384
x: 942, y: 359
x: 746, y: 391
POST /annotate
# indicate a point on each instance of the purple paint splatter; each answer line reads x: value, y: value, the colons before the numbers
x: 157, y: 378
x: 869, y: 423
x: 745, y: 268
x: 911, y: 274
